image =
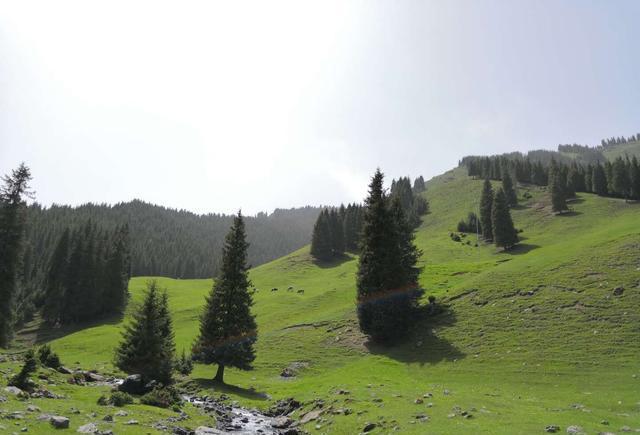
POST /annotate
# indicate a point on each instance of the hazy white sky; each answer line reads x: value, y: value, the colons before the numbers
x: 212, y: 106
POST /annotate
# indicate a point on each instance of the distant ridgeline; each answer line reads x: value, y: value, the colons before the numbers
x: 164, y: 241
x: 582, y: 168
x: 337, y: 230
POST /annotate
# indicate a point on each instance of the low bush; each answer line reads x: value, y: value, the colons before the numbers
x: 48, y: 358
x: 21, y: 380
x: 162, y: 397
x: 117, y: 398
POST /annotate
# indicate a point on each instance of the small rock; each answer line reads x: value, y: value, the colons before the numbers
x: 625, y: 429
x: 575, y: 430
x: 368, y: 427
x: 605, y: 422
x: 446, y: 392
x: 552, y: 428
x: 204, y: 430
x: 281, y: 422
x: 64, y: 370
x: 132, y: 422
x: 121, y: 413
x: 59, y: 422
x: 618, y: 291
x: 107, y: 418
x: 88, y: 428
x: 33, y: 408
x: 418, y: 401
x: 13, y: 390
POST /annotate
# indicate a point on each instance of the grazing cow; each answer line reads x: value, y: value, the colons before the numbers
x: 275, y: 289
x: 300, y: 291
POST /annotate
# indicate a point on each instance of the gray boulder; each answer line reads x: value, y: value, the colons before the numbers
x: 59, y: 422
x: 88, y: 428
x: 132, y: 385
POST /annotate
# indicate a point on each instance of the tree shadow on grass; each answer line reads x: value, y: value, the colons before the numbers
x: 246, y: 393
x: 521, y: 248
x: 576, y: 200
x: 569, y: 213
x: 334, y: 262
x: 424, y: 346
x: 38, y: 331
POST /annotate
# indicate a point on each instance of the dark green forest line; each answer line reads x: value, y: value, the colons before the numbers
x: 167, y: 242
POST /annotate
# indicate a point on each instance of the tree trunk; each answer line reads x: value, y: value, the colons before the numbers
x: 220, y: 374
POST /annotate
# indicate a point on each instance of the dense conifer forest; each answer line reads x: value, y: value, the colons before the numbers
x: 165, y: 241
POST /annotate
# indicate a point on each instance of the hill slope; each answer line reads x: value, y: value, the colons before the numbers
x: 530, y: 338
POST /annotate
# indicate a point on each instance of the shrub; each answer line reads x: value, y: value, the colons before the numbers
x: 184, y: 364
x: 117, y: 398
x: 471, y: 225
x: 48, y: 358
x: 162, y: 397
x: 21, y: 380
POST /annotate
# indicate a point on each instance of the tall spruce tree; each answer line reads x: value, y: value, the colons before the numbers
x: 117, y: 270
x: 147, y: 346
x: 599, y: 179
x: 227, y: 328
x: 504, y: 233
x: 12, y: 225
x: 620, y: 182
x: 336, y: 232
x: 558, y: 189
x: 634, y: 177
x: 321, y: 241
x: 386, y: 277
x: 509, y: 190
x: 486, y: 205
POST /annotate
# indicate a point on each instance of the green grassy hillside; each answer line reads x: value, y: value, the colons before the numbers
x: 529, y: 338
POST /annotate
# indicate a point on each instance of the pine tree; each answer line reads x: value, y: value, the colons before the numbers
x: 558, y: 189
x: 147, y: 347
x: 117, y: 270
x: 387, y: 291
x: 504, y: 233
x: 635, y: 178
x: 321, y: 241
x: 509, y: 191
x: 599, y: 180
x: 336, y: 232
x: 486, y: 205
x: 12, y: 225
x: 227, y: 327
x: 620, y: 182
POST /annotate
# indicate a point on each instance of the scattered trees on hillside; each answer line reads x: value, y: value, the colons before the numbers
x: 601, y: 177
x: 413, y: 204
x: 147, y: 346
x: 13, y: 191
x: 495, y: 221
x: 338, y: 230
x: 227, y: 327
x: 88, y: 275
x: 387, y: 278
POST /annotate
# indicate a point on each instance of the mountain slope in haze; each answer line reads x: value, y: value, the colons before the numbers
x: 529, y: 338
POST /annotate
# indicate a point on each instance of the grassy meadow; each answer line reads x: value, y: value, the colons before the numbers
x: 527, y: 338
